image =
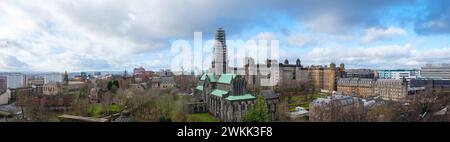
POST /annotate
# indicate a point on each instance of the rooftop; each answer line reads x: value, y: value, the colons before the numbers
x: 199, y: 88
x: 341, y: 99
x: 226, y: 78
x: 269, y: 94
x: 163, y: 80
x: 76, y: 82
x: 211, y: 77
x: 218, y: 92
x: 241, y: 97
x: 167, y: 80
x: 83, y: 119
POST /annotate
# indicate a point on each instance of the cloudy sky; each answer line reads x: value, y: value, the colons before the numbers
x: 58, y: 35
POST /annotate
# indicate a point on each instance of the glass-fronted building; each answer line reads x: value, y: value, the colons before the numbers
x: 398, y: 74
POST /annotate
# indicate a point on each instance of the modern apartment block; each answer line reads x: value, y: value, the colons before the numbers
x: 15, y: 80
x: 398, y: 74
x: 53, y: 77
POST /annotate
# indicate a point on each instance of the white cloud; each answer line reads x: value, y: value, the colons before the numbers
x: 387, y: 56
x: 49, y: 39
x: 327, y: 22
x: 11, y: 63
x: 15, y: 22
x: 87, y: 34
x: 409, y: 55
x: 300, y: 40
x: 45, y: 34
x: 265, y: 36
x: 374, y: 34
x: 432, y: 56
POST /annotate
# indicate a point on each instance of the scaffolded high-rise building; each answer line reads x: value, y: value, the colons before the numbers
x: 219, y: 63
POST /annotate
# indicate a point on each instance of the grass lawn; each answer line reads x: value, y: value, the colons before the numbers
x: 301, y: 101
x: 301, y: 119
x: 98, y: 110
x: 114, y: 108
x: 201, y: 117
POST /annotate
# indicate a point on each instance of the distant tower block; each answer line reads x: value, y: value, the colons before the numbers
x: 219, y: 63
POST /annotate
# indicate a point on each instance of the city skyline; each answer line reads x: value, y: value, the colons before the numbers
x: 118, y: 35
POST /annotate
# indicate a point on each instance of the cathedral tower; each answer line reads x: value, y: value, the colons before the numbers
x: 66, y: 78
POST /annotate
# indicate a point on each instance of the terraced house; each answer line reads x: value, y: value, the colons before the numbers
x: 225, y: 96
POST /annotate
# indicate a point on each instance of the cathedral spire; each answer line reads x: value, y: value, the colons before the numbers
x: 66, y: 78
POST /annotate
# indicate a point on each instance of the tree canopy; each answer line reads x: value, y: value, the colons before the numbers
x: 258, y: 113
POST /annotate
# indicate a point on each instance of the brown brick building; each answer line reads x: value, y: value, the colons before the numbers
x: 324, y: 77
x: 387, y: 89
x: 362, y: 87
x: 336, y: 108
x: 392, y: 89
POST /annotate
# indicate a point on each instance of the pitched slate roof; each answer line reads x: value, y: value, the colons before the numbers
x: 167, y: 80
x: 125, y: 119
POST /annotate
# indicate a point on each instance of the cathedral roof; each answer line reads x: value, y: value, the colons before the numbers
x: 203, y: 77
x: 210, y: 77
x: 241, y: 97
x: 226, y: 78
x: 218, y: 92
x: 199, y: 88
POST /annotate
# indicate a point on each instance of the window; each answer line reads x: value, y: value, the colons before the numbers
x: 254, y: 80
x: 293, y: 76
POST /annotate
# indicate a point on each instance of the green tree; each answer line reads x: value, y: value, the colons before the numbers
x: 258, y: 113
x: 113, y: 85
x: 83, y: 92
x: 116, y: 83
x: 110, y: 84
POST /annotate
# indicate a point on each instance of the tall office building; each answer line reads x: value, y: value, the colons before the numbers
x: 2, y: 83
x: 435, y: 71
x: 219, y: 63
x: 15, y: 80
x: 53, y: 77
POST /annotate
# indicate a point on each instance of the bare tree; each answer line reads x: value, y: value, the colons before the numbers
x: 283, y: 110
